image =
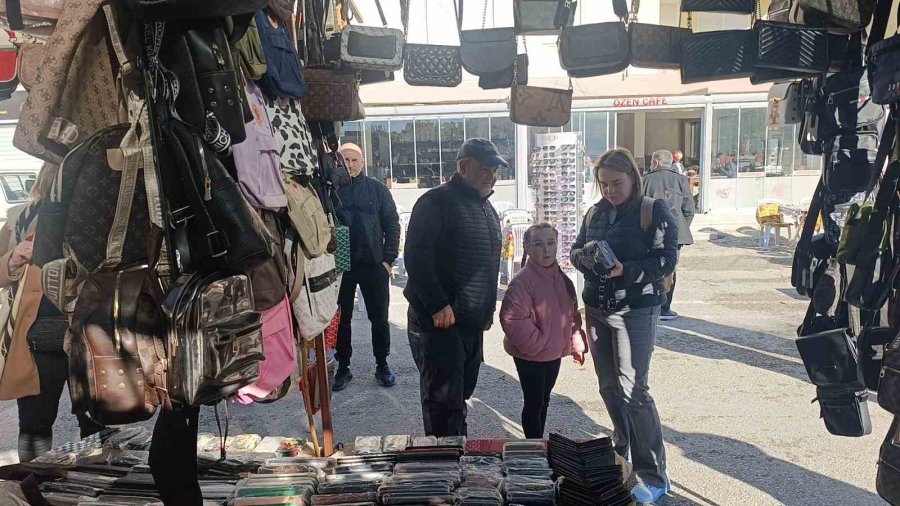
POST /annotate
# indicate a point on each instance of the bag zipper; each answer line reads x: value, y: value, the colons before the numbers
x: 207, y: 180
x: 218, y: 54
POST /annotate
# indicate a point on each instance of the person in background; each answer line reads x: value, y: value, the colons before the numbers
x: 622, y: 310
x: 541, y: 323
x: 678, y: 162
x: 40, y: 323
x: 666, y: 184
x: 369, y: 210
x: 452, y: 256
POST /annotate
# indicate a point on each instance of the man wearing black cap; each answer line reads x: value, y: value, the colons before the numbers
x: 452, y: 256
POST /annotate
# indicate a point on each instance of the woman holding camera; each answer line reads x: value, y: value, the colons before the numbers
x: 622, y: 306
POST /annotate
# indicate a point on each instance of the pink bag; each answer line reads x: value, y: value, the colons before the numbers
x: 280, y: 348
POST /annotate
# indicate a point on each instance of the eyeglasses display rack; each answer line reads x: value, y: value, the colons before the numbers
x: 557, y: 160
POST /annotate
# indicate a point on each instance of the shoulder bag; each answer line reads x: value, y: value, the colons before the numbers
x: 249, y: 50
x: 431, y: 64
x: 729, y: 6
x: 517, y: 75
x: 595, y: 49
x: 654, y: 46
x: 889, y: 381
x: 717, y: 55
x: 873, y: 344
x: 883, y: 57
x: 331, y: 96
x: 538, y: 17
x: 215, y: 339
x: 373, y: 47
x: 292, y: 135
x: 488, y: 50
x: 887, y: 480
x: 802, y: 267
x: 283, y: 77
x: 849, y: 14
x: 315, y: 286
x: 183, y: 10
x: 538, y: 106
x: 785, y: 46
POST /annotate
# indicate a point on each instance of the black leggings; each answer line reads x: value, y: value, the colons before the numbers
x: 537, y: 379
x: 173, y: 457
x: 37, y: 413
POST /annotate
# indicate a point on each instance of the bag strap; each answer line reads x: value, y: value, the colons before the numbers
x: 880, y: 21
x: 404, y: 17
x: 14, y: 15
x: 381, y: 13
x: 812, y: 216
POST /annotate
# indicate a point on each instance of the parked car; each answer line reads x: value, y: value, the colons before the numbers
x: 16, y: 188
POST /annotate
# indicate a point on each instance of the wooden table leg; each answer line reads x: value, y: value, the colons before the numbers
x: 325, y: 395
x: 307, y: 399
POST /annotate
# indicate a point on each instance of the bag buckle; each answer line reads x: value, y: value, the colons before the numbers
x: 218, y: 245
x: 179, y: 217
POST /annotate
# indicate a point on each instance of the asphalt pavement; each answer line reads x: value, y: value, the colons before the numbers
x: 732, y: 393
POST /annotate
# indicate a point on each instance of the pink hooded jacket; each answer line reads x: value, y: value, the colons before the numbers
x: 538, y: 315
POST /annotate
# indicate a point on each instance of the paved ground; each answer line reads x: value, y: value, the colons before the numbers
x: 731, y: 391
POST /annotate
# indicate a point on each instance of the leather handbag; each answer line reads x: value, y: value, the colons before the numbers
x: 513, y: 76
x: 654, y: 46
x: 538, y: 17
x: 873, y: 344
x: 594, y: 50
x: 212, y: 353
x: 373, y: 47
x: 183, y: 10
x: 786, y: 46
x: 116, y: 347
x: 887, y: 480
x: 331, y: 96
x: 488, y: 50
x: 537, y: 106
x: 883, y: 58
x: 730, y: 6
x: 849, y: 14
x: 430, y: 64
x: 889, y: 378
x: 215, y: 228
x: 717, y: 55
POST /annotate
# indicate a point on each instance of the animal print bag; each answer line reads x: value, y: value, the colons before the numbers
x: 298, y: 158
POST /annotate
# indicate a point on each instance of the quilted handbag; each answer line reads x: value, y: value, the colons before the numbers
x: 595, y: 49
x: 331, y: 96
x: 887, y: 481
x: 787, y: 46
x: 537, y: 106
x: 538, y: 17
x: 430, y: 64
x: 850, y: 14
x: 717, y: 55
x: 731, y: 6
x: 373, y: 47
x: 505, y: 78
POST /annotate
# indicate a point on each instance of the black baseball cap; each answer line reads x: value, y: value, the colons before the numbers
x: 482, y: 150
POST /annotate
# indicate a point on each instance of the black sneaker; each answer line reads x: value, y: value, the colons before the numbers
x: 341, y: 378
x: 668, y: 315
x: 384, y: 376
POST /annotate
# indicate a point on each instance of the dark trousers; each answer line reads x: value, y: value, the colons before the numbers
x: 448, y: 361
x: 374, y: 281
x: 37, y: 413
x: 671, y: 295
x: 173, y: 457
x: 537, y: 379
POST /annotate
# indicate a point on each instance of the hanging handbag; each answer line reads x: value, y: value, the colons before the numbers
x: 654, y: 46
x: 183, y: 10
x: 802, y: 266
x: 431, y: 64
x: 513, y: 76
x: 537, y: 106
x: 717, y: 55
x: 883, y: 58
x: 284, y: 77
x: 849, y: 14
x: 786, y: 46
x: 595, y: 49
x: 342, y: 258
x: 215, y: 340
x: 873, y: 344
x: 729, y: 6
x: 292, y: 135
x: 331, y: 96
x: 785, y: 104
x: 315, y: 286
x: 887, y: 480
x: 850, y: 163
x: 373, y: 47
x: 889, y: 379
x: 538, y: 17
x: 486, y: 51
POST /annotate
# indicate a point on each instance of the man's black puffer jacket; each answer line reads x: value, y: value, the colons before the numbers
x: 647, y: 257
x: 369, y: 210
x: 452, y: 255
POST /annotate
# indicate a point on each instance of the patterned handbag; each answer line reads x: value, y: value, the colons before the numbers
x: 537, y: 106
x: 430, y: 64
x: 717, y: 55
x: 850, y: 14
x: 373, y: 47
x: 786, y: 46
x: 342, y: 260
x: 331, y: 96
x: 654, y: 46
x: 730, y: 6
x: 298, y: 158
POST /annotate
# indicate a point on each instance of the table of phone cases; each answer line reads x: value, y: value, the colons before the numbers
x: 110, y: 469
x: 556, y: 162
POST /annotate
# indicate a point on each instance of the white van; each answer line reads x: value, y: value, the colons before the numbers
x: 15, y: 188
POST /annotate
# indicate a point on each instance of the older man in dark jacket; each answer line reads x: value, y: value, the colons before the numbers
x: 452, y: 256
x: 666, y: 184
x: 369, y: 210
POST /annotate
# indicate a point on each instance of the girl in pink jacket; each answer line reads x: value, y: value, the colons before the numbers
x: 541, y: 323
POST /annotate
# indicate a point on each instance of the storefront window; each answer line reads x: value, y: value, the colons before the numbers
x: 428, y: 153
x: 478, y: 127
x: 378, y: 150
x: 725, y: 143
x: 752, y: 149
x: 452, y: 137
x: 503, y: 134
x: 403, y: 151
x: 595, y: 134
x: 780, y: 142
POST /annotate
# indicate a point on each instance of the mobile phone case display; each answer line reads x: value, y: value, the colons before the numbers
x: 556, y: 162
